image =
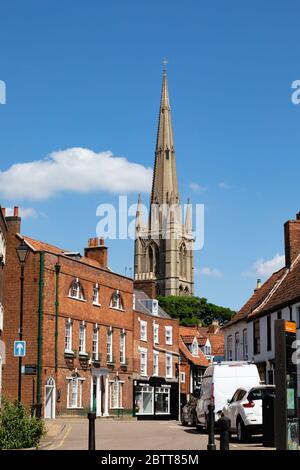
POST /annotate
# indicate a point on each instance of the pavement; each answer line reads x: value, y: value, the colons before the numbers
x: 72, y: 434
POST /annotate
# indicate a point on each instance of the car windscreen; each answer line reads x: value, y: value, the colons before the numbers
x: 260, y: 393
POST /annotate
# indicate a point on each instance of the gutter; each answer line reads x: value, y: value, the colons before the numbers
x: 57, y: 271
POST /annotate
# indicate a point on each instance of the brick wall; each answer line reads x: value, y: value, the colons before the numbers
x: 292, y: 240
x: 138, y: 343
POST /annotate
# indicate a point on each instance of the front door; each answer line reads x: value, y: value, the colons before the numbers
x: 50, y: 398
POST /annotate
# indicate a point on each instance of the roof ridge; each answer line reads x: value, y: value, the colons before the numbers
x: 276, y: 285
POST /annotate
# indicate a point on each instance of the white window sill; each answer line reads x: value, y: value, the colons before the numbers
x: 169, y: 377
x: 75, y: 407
x: 143, y: 339
x: 117, y: 407
x: 76, y: 298
x: 143, y: 375
x: 68, y: 351
x: 82, y: 353
x: 119, y: 309
x: 96, y: 304
x: 169, y: 344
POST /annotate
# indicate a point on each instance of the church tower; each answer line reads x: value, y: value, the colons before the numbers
x: 163, y: 257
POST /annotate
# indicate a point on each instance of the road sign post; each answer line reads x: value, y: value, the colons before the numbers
x: 286, y: 417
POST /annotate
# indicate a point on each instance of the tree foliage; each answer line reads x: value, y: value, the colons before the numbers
x: 18, y: 430
x: 194, y: 310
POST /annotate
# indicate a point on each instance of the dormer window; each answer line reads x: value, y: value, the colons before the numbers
x: 207, y: 349
x: 96, y: 294
x: 76, y: 290
x: 116, y: 301
x: 195, y: 347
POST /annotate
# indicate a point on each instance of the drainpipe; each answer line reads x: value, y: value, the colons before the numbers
x: 40, y: 337
x: 57, y: 271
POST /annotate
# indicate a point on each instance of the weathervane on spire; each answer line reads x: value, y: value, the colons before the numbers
x: 165, y: 62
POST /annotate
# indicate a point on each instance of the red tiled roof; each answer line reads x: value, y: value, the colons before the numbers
x: 42, y: 246
x: 188, y: 333
x: 286, y: 291
x: 257, y: 298
x: 199, y: 360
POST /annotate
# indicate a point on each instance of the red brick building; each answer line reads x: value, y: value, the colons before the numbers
x: 155, y: 365
x: 198, y: 346
x: 3, y: 235
x: 78, y: 328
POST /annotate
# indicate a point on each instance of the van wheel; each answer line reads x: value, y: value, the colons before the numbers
x: 241, y: 431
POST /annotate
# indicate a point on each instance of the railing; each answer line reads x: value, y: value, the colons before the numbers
x: 121, y: 413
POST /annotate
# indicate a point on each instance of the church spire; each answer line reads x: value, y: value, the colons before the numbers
x: 165, y: 181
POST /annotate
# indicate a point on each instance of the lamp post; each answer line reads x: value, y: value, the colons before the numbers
x: 22, y: 252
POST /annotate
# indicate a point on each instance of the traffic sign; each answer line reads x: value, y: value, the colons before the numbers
x: 20, y: 348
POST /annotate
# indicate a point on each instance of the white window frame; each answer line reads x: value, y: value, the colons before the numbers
x: 229, y: 348
x: 169, y: 335
x: 95, y: 343
x: 82, y: 338
x: 68, y: 336
x: 207, y: 348
x: 119, y: 390
x: 155, y: 363
x: 163, y: 390
x: 155, y: 333
x: 78, y: 294
x: 96, y: 295
x: 245, y: 344
x: 143, y: 330
x: 2, y: 248
x: 169, y: 366
x: 122, y: 347
x: 109, y: 346
x: 195, y: 347
x: 116, y: 301
x: 79, y: 382
x: 143, y: 363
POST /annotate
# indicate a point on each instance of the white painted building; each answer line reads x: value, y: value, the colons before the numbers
x: 250, y: 333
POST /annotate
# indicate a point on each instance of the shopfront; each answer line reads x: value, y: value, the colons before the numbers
x: 156, y: 399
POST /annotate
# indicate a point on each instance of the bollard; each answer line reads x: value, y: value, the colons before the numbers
x: 92, y: 418
x: 224, y: 424
x: 211, y: 428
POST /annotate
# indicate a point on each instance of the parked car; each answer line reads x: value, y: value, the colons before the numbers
x: 245, y: 410
x: 188, y: 413
x: 219, y: 383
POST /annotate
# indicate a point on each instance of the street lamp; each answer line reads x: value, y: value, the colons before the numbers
x: 22, y: 252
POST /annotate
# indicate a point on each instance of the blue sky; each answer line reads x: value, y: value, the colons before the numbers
x: 88, y: 74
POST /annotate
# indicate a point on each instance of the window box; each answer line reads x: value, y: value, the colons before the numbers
x: 96, y: 360
x: 84, y: 356
x: 124, y: 364
x: 110, y: 360
x: 69, y: 354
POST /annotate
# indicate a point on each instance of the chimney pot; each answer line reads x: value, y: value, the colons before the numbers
x: 3, y: 211
x: 101, y: 241
x: 16, y: 211
x: 258, y: 284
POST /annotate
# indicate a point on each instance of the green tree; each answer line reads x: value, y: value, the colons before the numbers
x: 18, y: 430
x: 194, y: 310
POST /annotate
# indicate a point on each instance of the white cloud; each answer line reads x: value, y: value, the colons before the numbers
x: 197, y: 188
x: 206, y: 271
x: 264, y: 268
x: 224, y: 185
x: 74, y: 170
x: 24, y: 212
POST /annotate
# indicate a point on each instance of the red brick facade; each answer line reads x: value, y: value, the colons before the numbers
x: 65, y: 383
x: 160, y: 375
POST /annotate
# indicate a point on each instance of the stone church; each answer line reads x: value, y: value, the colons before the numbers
x: 163, y: 255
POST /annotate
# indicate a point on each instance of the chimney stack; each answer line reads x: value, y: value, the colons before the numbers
x: 258, y: 285
x: 97, y: 251
x: 13, y: 221
x: 292, y: 240
x: 214, y: 327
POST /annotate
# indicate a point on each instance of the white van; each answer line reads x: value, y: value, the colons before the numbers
x: 219, y: 383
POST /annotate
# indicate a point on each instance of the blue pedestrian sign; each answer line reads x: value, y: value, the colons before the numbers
x: 20, y: 348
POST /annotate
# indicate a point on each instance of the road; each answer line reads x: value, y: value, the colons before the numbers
x: 72, y: 434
